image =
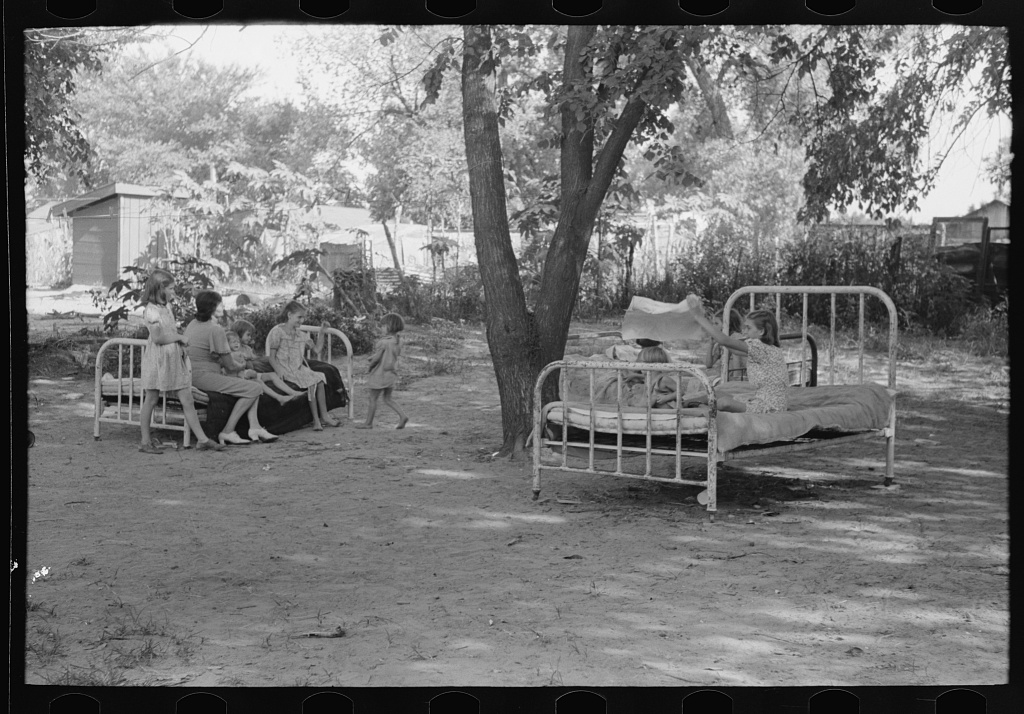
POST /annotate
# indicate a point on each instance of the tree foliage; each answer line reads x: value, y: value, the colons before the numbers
x: 55, y: 146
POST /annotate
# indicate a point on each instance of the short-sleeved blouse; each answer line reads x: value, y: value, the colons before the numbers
x: 164, y: 367
x: 207, y: 341
x: 767, y: 372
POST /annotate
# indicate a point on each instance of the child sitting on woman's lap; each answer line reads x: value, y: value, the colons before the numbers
x: 240, y: 342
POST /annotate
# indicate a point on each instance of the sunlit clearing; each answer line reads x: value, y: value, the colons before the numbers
x: 471, y: 645
x: 640, y: 621
x: 899, y: 594
x: 528, y: 517
x: 905, y: 558
x: 613, y: 651
x: 488, y: 524
x: 745, y: 645
x: 464, y: 475
x: 969, y: 472
x: 830, y: 505
x: 674, y: 670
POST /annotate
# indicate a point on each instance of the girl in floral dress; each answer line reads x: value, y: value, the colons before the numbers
x: 766, y: 363
x: 286, y: 347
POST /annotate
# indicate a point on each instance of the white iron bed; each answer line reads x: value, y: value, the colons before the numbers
x: 118, y: 397
x: 603, y: 419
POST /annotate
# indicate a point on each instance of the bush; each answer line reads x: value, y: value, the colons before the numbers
x: 986, y: 330
x: 190, y: 276
x: 360, y: 332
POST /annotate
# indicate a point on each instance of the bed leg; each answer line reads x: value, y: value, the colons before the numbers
x: 890, y: 447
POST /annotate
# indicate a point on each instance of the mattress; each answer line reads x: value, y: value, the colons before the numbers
x: 845, y: 408
x: 109, y: 389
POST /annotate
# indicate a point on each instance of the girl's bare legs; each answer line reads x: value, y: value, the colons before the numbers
x: 279, y: 383
x: 311, y: 395
x: 371, y: 410
x: 321, y: 401
x: 188, y: 406
x: 402, y: 418
x: 274, y: 394
x: 149, y: 399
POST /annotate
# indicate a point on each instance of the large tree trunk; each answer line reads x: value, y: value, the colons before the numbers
x: 584, y: 184
x: 511, y: 332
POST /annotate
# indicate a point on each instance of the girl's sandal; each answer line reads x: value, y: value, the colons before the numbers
x: 331, y: 421
x: 209, y: 445
x: 150, y: 449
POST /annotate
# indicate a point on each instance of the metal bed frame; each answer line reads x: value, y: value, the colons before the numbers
x: 543, y: 437
x: 168, y: 414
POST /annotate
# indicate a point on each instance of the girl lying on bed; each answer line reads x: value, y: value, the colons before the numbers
x: 766, y: 363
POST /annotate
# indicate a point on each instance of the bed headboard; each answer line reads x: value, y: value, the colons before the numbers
x: 861, y: 291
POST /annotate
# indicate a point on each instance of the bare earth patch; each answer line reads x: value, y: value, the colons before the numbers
x: 410, y: 558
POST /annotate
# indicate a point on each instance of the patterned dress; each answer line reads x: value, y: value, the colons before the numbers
x: 164, y: 367
x: 767, y: 372
x: 291, y: 352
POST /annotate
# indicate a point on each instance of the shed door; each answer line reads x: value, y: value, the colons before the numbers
x: 95, y: 251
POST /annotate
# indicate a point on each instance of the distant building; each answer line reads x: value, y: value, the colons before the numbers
x: 997, y: 212
x: 968, y: 228
x: 110, y: 228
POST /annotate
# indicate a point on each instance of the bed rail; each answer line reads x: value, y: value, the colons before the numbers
x: 651, y: 372
x: 168, y: 414
x: 831, y: 290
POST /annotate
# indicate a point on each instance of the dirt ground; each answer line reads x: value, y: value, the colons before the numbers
x: 401, y: 558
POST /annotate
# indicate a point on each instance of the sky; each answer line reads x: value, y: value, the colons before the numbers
x: 961, y: 183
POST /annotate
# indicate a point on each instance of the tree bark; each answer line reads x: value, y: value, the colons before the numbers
x: 511, y: 331
x: 584, y: 184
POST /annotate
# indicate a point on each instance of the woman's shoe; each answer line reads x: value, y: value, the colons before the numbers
x: 232, y: 437
x: 209, y: 445
x: 262, y: 434
x: 150, y: 449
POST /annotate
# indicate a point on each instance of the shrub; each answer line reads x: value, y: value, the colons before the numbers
x: 360, y: 332
x: 190, y: 276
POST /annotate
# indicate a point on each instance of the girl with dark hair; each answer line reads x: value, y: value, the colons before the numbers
x: 209, y: 351
x: 165, y: 364
x: 766, y: 363
x: 286, y: 348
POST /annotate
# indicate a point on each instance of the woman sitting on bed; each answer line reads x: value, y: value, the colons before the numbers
x: 766, y: 363
x: 209, y: 351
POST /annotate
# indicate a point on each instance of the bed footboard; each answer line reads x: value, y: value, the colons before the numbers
x: 639, y: 424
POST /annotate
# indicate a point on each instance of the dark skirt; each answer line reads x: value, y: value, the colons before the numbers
x: 275, y: 417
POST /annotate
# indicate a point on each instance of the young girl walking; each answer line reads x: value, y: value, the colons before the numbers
x: 766, y: 363
x: 165, y: 364
x: 383, y: 374
x: 286, y: 346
